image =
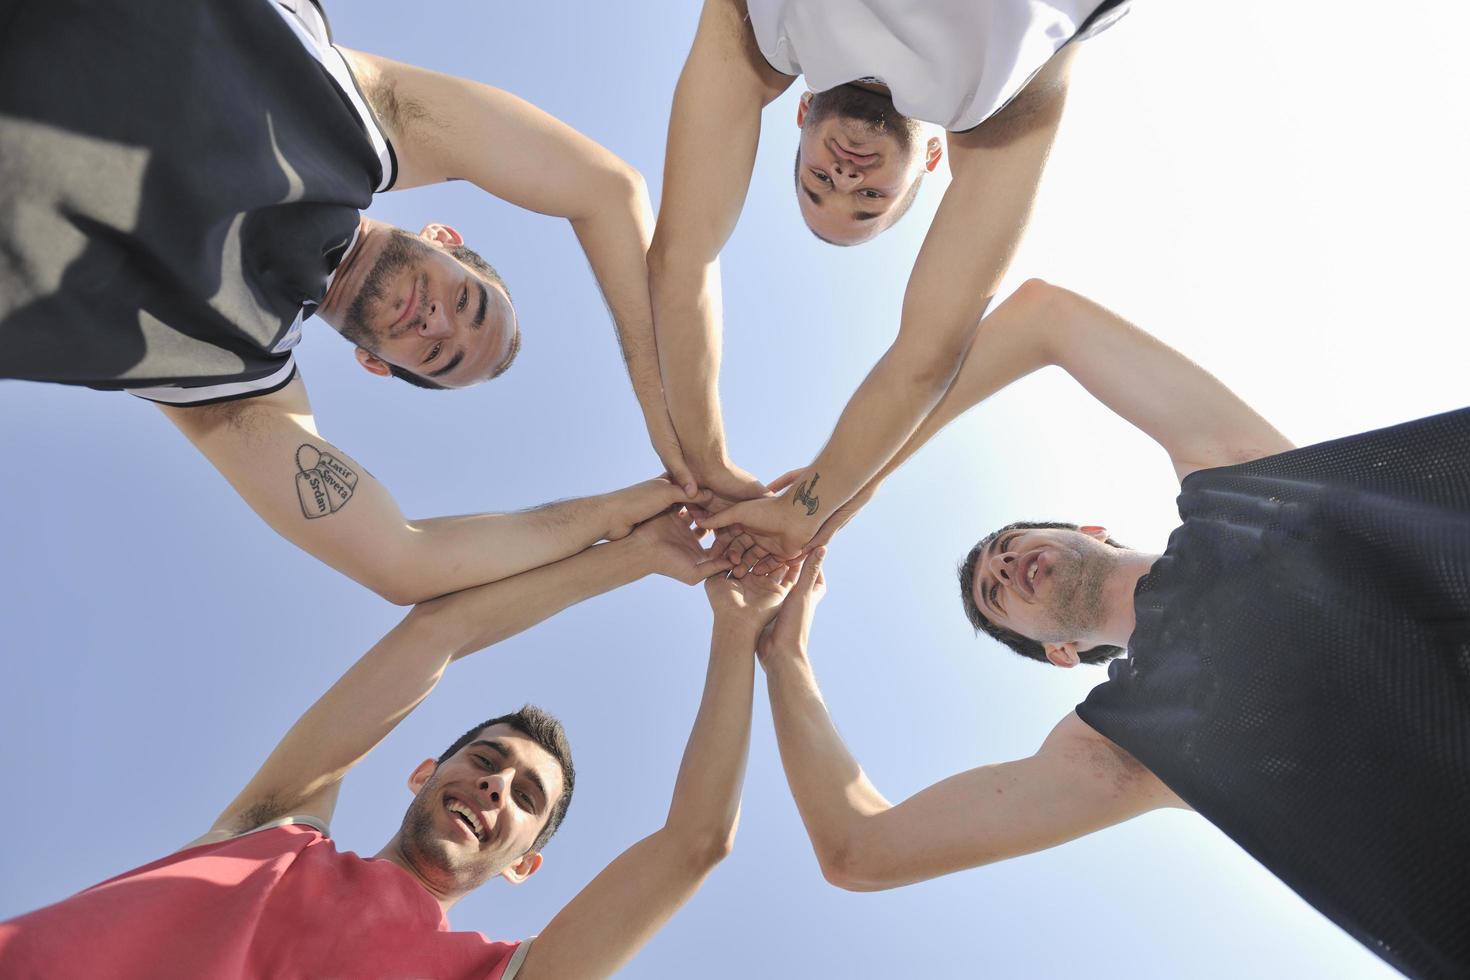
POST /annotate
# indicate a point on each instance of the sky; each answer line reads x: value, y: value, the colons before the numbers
x: 1276, y: 190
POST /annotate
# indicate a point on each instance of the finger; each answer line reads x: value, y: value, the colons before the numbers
x: 810, y: 569
x: 785, y: 480
x: 757, y: 554
x: 730, y: 515
x: 711, y: 566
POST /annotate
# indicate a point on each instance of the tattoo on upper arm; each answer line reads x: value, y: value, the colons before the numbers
x: 324, y: 483
x: 805, y: 497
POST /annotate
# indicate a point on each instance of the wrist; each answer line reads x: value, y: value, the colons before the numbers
x: 736, y: 627
x: 634, y: 556
x: 785, y: 658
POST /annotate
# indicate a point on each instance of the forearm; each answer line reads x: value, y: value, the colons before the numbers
x: 832, y: 794
x: 1015, y: 340
x: 687, y: 317
x: 447, y: 554
x: 615, y: 239
x: 706, y: 801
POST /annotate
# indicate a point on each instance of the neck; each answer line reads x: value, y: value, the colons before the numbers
x: 352, y: 270
x: 1118, y: 591
x: 393, y: 852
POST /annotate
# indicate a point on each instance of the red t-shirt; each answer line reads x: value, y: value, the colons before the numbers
x: 278, y: 902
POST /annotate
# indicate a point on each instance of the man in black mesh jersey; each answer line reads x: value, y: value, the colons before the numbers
x: 1298, y: 660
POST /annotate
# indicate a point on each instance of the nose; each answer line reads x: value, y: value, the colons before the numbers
x: 496, y: 785
x: 845, y: 174
x: 1000, y: 566
x: 436, y: 325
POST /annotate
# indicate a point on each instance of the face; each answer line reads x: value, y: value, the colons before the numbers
x: 1045, y: 584
x: 477, y: 814
x: 857, y: 159
x: 420, y: 308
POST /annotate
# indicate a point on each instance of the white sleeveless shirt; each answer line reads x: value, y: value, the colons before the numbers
x: 950, y: 62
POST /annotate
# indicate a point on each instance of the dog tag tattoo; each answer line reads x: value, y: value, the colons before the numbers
x: 324, y: 483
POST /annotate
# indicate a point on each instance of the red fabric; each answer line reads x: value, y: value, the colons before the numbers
x: 276, y: 903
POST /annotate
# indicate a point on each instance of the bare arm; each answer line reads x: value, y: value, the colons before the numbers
x: 303, y: 772
x: 322, y: 500
x: 714, y: 130
x: 997, y: 169
x: 621, y: 909
x: 447, y: 128
x: 1076, y: 783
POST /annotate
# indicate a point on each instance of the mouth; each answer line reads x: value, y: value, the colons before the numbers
x: 409, y: 305
x: 1027, y: 570
x: 852, y: 155
x: 465, y: 816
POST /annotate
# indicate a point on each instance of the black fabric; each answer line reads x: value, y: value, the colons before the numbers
x: 1300, y: 675
x: 177, y: 179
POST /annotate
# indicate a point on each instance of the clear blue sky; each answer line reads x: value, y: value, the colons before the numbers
x: 1277, y: 192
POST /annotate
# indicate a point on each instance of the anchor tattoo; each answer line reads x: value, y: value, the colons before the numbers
x: 805, y: 498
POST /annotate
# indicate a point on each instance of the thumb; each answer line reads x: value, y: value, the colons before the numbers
x: 810, y: 569
x: 785, y: 480
x: 730, y: 515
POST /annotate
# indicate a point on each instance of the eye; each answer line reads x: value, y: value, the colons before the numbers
x: 434, y: 352
x: 484, y: 762
x: 821, y: 177
x: 525, y: 799
x: 872, y: 195
x: 464, y: 300
x: 991, y: 595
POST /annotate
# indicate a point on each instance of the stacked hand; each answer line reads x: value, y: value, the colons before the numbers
x: 787, y: 633
x: 667, y: 545
x: 749, y: 602
x: 633, y: 505
x: 769, y: 531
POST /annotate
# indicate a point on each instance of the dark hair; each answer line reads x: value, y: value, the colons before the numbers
x: 1023, y: 645
x: 472, y: 260
x: 899, y: 210
x: 542, y: 728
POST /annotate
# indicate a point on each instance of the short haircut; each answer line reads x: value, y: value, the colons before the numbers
x: 473, y: 261
x: 900, y: 209
x: 1023, y: 645
x: 546, y: 731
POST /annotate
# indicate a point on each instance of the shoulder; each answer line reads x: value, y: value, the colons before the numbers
x: 1084, y: 749
x: 220, y: 835
x: 242, y: 416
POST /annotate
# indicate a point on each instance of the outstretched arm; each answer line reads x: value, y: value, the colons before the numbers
x: 997, y: 169
x: 322, y: 500
x: 621, y: 909
x: 1198, y: 421
x: 447, y: 128
x: 714, y: 130
x: 1077, y: 782
x: 302, y: 774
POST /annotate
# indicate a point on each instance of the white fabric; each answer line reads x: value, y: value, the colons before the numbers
x: 950, y: 62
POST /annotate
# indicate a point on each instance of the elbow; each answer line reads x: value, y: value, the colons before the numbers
x: 397, y: 590
x: 928, y: 367
x: 842, y: 866
x: 703, y: 849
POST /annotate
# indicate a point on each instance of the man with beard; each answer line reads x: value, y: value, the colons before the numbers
x: 266, y: 893
x: 992, y: 73
x: 1298, y: 660
x: 180, y: 190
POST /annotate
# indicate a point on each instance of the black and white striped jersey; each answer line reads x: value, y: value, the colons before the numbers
x: 178, y: 181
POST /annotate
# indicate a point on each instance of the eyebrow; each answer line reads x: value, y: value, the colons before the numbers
x: 453, y: 363
x: 856, y: 215
x: 503, y: 751
x: 479, y: 319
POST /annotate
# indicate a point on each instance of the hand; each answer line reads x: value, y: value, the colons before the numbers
x: 789, y: 630
x: 752, y: 600
x: 778, y: 527
x: 666, y: 443
x: 633, y: 505
x: 668, y: 546
x: 829, y: 527
x: 727, y: 480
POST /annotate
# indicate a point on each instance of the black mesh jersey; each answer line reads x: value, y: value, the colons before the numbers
x: 1300, y: 675
x: 178, y: 180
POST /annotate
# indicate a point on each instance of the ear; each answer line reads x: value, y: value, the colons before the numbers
x: 442, y: 234
x: 372, y: 363
x: 522, y: 869
x: 932, y: 153
x: 420, y: 775
x: 1094, y: 531
x: 1062, y: 654
x: 802, y: 106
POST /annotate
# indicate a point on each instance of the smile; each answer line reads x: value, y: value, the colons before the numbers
x: 467, y: 818
x: 408, y: 308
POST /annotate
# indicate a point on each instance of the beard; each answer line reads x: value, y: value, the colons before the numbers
x: 432, y: 855
x: 1076, y: 607
x: 401, y: 251
x: 873, y: 111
